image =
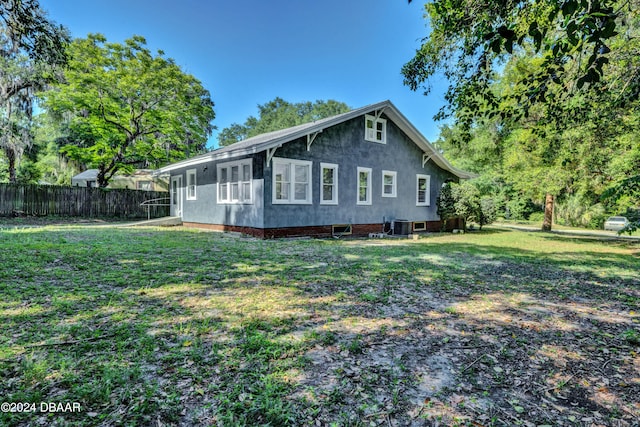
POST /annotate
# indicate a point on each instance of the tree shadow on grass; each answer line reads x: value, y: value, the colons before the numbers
x: 290, y: 333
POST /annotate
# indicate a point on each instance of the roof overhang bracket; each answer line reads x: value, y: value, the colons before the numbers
x: 270, y: 153
x: 378, y: 113
x: 425, y: 158
x: 310, y: 138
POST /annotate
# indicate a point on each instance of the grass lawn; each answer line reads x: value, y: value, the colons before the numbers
x: 538, y: 226
x: 179, y: 327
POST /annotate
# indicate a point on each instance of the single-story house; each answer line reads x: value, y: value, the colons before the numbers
x: 140, y: 179
x: 357, y: 173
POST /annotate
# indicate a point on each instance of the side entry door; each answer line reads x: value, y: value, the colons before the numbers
x: 176, y: 196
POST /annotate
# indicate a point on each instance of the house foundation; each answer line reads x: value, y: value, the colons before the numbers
x: 319, y: 231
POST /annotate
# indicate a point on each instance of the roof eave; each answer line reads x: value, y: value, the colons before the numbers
x: 424, y: 144
x: 389, y: 109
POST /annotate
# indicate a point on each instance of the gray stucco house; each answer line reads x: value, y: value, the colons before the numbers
x: 353, y: 173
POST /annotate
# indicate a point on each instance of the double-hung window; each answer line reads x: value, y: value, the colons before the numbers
x: 423, y: 183
x: 364, y: 186
x: 235, y: 181
x: 191, y: 184
x: 328, y: 184
x: 375, y: 130
x: 389, y: 184
x: 291, y: 181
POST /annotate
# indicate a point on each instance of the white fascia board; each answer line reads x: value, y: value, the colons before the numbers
x: 422, y: 142
x: 273, y: 142
x: 390, y: 110
x: 184, y: 163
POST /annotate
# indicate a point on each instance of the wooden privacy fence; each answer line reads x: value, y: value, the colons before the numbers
x: 43, y: 200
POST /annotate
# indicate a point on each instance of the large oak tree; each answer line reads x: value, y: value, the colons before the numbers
x: 32, y: 50
x: 124, y: 107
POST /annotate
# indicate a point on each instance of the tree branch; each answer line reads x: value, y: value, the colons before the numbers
x: 114, y: 123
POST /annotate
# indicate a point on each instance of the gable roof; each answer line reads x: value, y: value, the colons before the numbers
x: 271, y: 140
x: 90, y: 174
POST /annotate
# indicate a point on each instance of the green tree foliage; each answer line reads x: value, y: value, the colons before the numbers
x: 628, y: 188
x: 25, y: 24
x: 53, y: 167
x: 280, y: 114
x: 446, y: 204
x: 32, y: 49
x: 577, y: 163
x: 470, y: 41
x: 487, y: 212
x: 543, y: 94
x: 125, y: 107
x: 465, y: 200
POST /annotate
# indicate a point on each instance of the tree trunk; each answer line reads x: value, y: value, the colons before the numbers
x: 548, y: 213
x: 102, y: 178
x: 11, y: 157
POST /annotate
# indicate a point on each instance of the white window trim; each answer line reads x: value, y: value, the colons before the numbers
x: 371, y: 136
x: 334, y: 200
x: 394, y: 192
x: 229, y: 165
x: 292, y: 182
x: 369, y: 192
x: 193, y: 173
x: 427, y: 198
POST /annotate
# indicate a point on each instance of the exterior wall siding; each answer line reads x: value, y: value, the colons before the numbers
x: 345, y: 146
x: 205, y: 208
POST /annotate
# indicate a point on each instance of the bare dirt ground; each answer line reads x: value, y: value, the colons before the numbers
x: 488, y: 341
x: 485, y: 360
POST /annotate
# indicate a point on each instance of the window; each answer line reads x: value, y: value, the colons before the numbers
x: 364, y: 186
x: 375, y: 130
x: 291, y: 181
x: 144, y: 185
x: 174, y: 191
x: 420, y: 226
x: 341, y: 230
x: 328, y: 184
x: 234, y: 182
x: 422, y: 194
x: 191, y: 184
x: 246, y: 181
x: 389, y: 184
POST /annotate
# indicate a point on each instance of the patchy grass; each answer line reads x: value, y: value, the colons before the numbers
x: 537, y: 225
x: 180, y: 327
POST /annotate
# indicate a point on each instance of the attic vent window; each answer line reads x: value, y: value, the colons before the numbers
x: 375, y: 130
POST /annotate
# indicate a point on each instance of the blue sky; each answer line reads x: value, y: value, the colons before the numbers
x: 247, y: 53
